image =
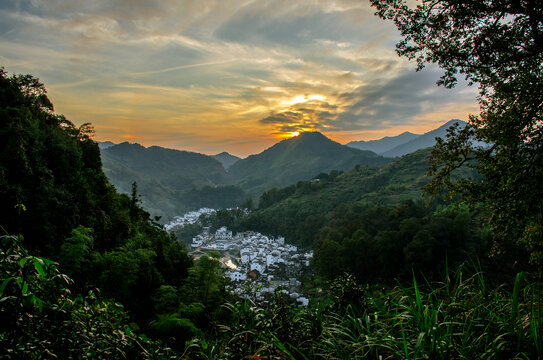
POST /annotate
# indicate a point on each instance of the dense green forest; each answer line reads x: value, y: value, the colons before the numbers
x: 57, y: 204
x: 298, y: 211
x: 85, y: 272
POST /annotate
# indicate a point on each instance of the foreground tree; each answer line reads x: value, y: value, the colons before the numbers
x: 497, y: 45
x: 41, y: 319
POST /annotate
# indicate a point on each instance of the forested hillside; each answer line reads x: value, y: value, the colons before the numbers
x: 298, y: 158
x: 57, y: 203
x: 298, y: 211
x: 170, y: 182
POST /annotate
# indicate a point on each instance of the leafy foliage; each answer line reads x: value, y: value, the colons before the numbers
x: 460, y: 317
x: 55, y: 194
x: 54, y: 169
x: 497, y: 45
x: 40, y: 318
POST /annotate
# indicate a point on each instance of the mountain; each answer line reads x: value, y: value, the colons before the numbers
x: 423, y: 141
x: 298, y: 158
x: 226, y: 159
x: 174, y: 165
x: 385, y: 144
x: 105, y: 144
x: 295, y: 212
x: 169, y: 181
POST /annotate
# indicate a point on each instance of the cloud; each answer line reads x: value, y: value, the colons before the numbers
x: 400, y: 100
x: 312, y: 115
x: 234, y: 68
x: 294, y: 24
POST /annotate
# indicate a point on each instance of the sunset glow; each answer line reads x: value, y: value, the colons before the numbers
x: 224, y: 76
x: 302, y: 99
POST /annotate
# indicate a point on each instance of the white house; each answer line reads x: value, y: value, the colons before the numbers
x: 255, y: 265
x: 303, y: 300
x: 238, y: 276
x: 223, y: 234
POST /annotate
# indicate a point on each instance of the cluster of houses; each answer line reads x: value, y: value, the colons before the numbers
x: 189, y: 218
x: 258, y: 265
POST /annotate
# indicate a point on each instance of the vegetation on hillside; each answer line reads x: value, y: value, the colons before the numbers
x: 56, y: 197
x: 171, y: 182
x: 497, y: 45
x: 394, y: 279
x: 299, y: 211
x: 298, y: 158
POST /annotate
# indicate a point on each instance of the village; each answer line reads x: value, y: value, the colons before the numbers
x: 257, y: 265
x: 189, y: 218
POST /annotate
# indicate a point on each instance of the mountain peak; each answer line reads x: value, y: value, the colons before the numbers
x: 424, y: 140
x: 226, y: 159
x: 306, y: 135
x: 311, y: 134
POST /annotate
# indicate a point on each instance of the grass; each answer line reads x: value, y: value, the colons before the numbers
x: 458, y: 318
x: 462, y: 317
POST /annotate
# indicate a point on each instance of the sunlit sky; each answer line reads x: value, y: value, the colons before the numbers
x: 213, y: 76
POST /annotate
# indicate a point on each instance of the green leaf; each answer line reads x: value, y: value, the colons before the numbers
x: 23, y: 261
x: 38, y: 264
x: 39, y: 302
x: 4, y: 284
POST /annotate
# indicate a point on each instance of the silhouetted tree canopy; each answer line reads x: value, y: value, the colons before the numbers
x: 498, y: 46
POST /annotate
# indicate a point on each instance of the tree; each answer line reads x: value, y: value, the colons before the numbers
x: 205, y: 283
x: 497, y: 45
x: 75, y: 254
x: 40, y: 318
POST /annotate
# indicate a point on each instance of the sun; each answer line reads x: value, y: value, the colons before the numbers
x: 293, y: 134
x: 303, y: 99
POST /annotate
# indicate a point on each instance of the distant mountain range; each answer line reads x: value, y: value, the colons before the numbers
x: 105, y: 144
x: 172, y: 182
x: 385, y: 144
x: 406, y: 142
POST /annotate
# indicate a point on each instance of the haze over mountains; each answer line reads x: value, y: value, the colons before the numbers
x: 385, y: 144
x: 406, y: 142
x: 171, y: 182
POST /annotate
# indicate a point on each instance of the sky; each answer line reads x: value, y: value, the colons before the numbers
x: 237, y: 76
